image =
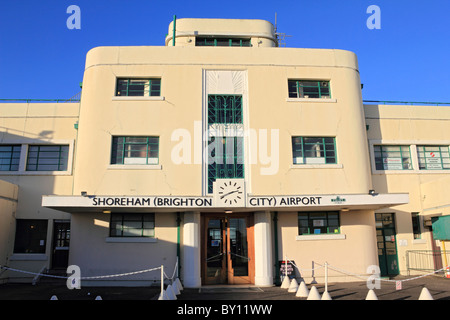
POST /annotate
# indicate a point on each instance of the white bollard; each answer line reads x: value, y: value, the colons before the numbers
x: 175, y: 289
x: 302, y: 291
x: 371, y: 295
x: 293, y: 287
x: 286, y: 283
x: 425, y: 295
x: 326, y: 296
x: 178, y: 283
x: 313, y: 294
x: 163, y: 296
x: 170, y: 293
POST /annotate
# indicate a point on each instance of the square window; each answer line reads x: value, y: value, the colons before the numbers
x: 314, y: 150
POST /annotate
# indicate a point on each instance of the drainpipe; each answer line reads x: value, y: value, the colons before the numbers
x: 275, y: 238
x: 174, y: 25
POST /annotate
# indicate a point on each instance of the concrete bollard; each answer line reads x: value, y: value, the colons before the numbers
x: 425, y: 295
x: 302, y: 291
x: 326, y: 296
x: 170, y: 293
x: 313, y: 294
x: 286, y: 283
x: 179, y: 285
x: 293, y: 287
x: 371, y: 295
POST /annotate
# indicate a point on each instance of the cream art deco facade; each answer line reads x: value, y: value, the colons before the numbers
x: 226, y: 153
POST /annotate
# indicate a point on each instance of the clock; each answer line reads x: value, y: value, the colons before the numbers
x: 230, y: 192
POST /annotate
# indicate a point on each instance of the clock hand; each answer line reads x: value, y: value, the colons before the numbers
x: 226, y: 194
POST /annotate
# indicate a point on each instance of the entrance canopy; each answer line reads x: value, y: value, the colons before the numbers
x: 100, y: 203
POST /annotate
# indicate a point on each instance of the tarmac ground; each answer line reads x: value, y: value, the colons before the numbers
x: 438, y: 287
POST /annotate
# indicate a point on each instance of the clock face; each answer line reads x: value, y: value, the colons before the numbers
x: 230, y: 192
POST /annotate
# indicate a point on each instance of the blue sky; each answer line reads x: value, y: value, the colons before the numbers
x: 407, y: 59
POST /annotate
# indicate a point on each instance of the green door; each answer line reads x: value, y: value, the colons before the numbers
x: 386, y: 242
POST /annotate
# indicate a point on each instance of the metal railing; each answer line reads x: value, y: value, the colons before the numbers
x: 425, y: 260
x: 75, y: 98
x: 406, y: 102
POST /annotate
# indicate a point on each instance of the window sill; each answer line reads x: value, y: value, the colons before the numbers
x: 411, y: 171
x: 130, y: 240
x: 159, y: 98
x: 311, y: 100
x: 35, y: 173
x: 320, y: 237
x: 29, y: 257
x: 419, y: 241
x: 316, y: 166
x: 135, y: 167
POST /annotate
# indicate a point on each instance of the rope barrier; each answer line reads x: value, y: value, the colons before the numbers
x: 362, y: 276
x: 82, y: 278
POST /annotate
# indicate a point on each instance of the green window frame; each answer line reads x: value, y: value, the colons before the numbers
x: 314, y: 89
x: 123, y: 225
x: 222, y: 42
x: 135, y: 150
x: 433, y: 157
x: 31, y: 236
x: 392, y: 157
x: 314, y: 150
x: 10, y: 157
x: 225, y: 159
x: 224, y: 109
x: 47, y: 158
x: 135, y: 87
x: 320, y: 222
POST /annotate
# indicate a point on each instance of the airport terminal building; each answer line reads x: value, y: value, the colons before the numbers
x: 219, y: 155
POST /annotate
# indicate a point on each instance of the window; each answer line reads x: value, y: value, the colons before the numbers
x: 433, y: 157
x: 224, y: 109
x: 47, y: 158
x: 9, y: 157
x: 225, y: 159
x: 135, y: 150
x: 132, y: 225
x: 392, y: 157
x: 138, y: 87
x: 325, y: 222
x: 313, y: 150
x: 31, y: 236
x: 222, y: 42
x: 309, y: 89
x: 416, y: 225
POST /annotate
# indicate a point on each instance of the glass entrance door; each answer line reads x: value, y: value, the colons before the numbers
x: 228, y: 249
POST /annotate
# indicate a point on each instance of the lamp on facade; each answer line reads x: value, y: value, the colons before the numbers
x: 372, y: 192
x: 84, y: 193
